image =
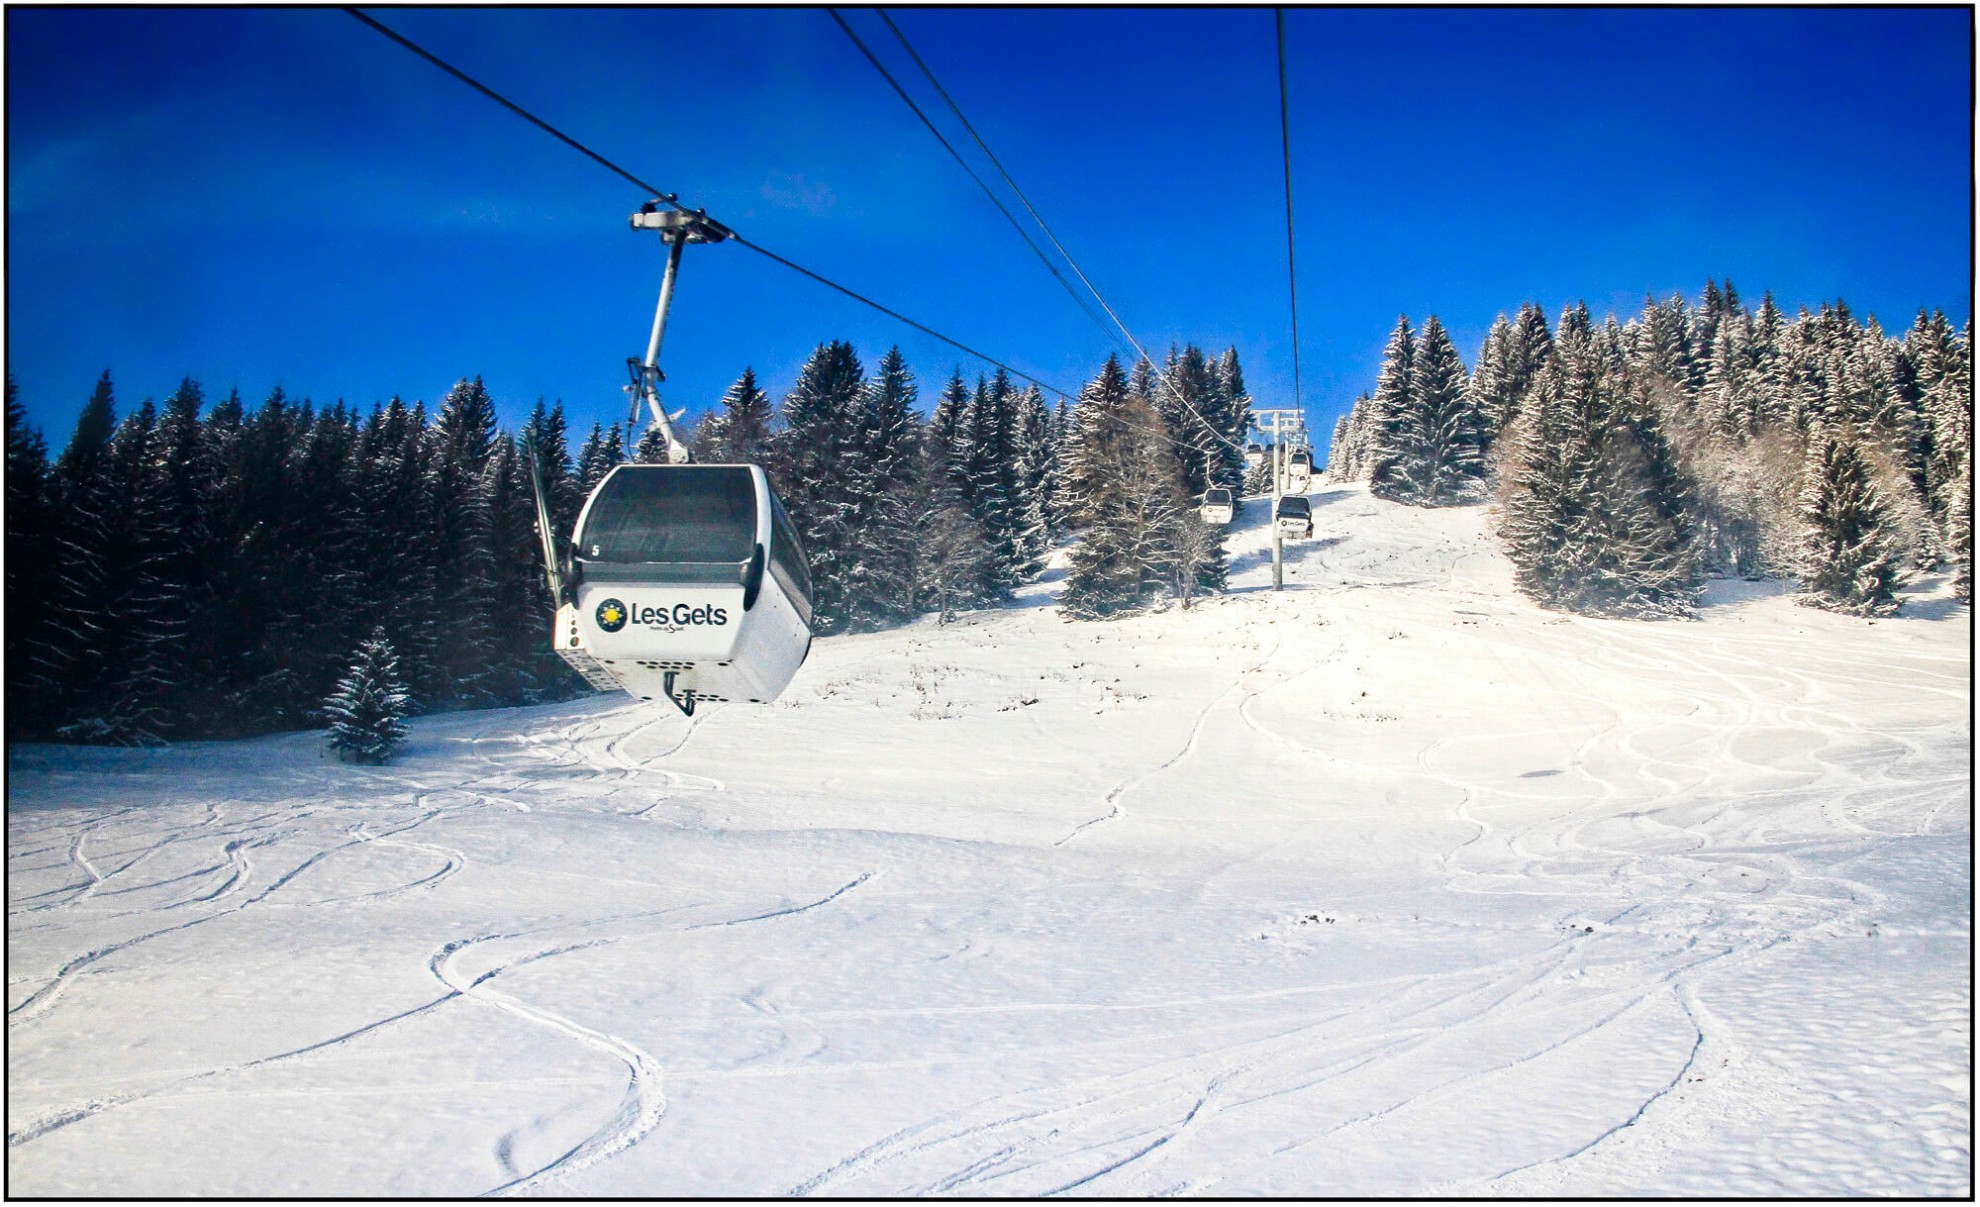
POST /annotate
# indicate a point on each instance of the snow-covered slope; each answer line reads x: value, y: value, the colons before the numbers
x: 1387, y: 884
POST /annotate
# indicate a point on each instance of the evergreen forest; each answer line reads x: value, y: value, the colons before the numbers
x: 189, y: 570
x: 1631, y: 461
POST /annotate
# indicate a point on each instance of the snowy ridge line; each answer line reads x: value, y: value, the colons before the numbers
x: 57, y: 1120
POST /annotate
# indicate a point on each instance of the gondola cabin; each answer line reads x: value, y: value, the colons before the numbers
x: 1254, y: 456
x: 1299, y: 472
x: 689, y: 582
x: 1294, y: 517
x: 1218, y: 505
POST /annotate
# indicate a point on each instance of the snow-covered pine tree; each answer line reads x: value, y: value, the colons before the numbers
x: 814, y: 459
x: 1033, y: 464
x: 1238, y: 417
x: 984, y: 458
x: 1730, y: 401
x: 1339, y: 459
x: 1580, y: 510
x: 1431, y: 450
x: 524, y: 669
x: 69, y: 664
x: 1123, y: 496
x: 737, y: 432
x: 367, y: 709
x: 30, y: 523
x: 948, y: 413
x: 1490, y: 379
x: 398, y: 571
x: 1529, y: 346
x: 951, y: 567
x: 549, y: 432
x: 1958, y: 536
x: 1945, y: 397
x: 1391, y: 403
x: 881, y: 588
x: 1192, y: 400
x: 651, y: 448
x: 1360, y: 438
x: 464, y: 561
x: 1848, y: 561
x: 1662, y: 346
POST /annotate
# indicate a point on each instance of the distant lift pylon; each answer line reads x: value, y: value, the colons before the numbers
x: 681, y: 580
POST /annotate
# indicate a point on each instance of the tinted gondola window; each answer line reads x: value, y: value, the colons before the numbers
x: 672, y: 514
x: 787, y: 559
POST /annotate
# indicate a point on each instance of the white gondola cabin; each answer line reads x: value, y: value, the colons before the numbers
x: 1218, y: 505
x: 688, y: 582
x: 1295, y: 516
x: 1254, y: 455
x: 1299, y: 471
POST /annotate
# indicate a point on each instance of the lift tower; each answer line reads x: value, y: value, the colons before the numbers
x: 1278, y: 424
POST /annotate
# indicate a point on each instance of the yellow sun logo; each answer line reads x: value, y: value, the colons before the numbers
x: 611, y: 616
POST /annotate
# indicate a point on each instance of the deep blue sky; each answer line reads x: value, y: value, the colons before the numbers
x: 263, y: 196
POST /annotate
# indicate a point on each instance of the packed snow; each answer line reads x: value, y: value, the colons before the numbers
x: 1388, y: 884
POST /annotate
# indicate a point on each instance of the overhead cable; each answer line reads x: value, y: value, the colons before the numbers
x: 1032, y: 209
x: 670, y: 199
x: 957, y: 156
x: 1285, y: 147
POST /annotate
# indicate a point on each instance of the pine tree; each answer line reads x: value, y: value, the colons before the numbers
x: 1662, y: 347
x: 817, y: 471
x: 880, y: 575
x: 952, y: 566
x: 739, y: 432
x: 1848, y: 561
x: 1491, y: 380
x: 367, y: 709
x: 1123, y: 493
x: 1238, y: 425
x: 70, y: 667
x: 1033, y: 465
x: 600, y: 454
x: 1430, y: 450
x: 398, y: 575
x: 1391, y: 402
x: 1581, y: 511
x: 548, y: 432
x: 30, y: 529
x: 984, y: 458
x: 1959, y: 534
x: 464, y: 560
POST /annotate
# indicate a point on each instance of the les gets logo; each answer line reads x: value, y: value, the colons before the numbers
x: 612, y: 615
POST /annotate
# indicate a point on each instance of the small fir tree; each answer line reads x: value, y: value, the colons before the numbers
x: 368, y: 708
x: 1848, y: 560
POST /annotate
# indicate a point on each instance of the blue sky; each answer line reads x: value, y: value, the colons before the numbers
x: 258, y: 196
